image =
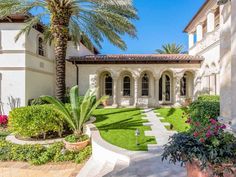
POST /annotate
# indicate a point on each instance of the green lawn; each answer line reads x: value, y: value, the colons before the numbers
x: 117, y: 126
x: 3, y: 133
x: 174, y: 117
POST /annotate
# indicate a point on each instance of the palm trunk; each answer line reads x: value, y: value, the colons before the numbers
x: 60, y: 56
x: 60, y: 17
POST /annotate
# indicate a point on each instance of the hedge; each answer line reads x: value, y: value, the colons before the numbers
x: 204, y: 108
x: 34, y: 121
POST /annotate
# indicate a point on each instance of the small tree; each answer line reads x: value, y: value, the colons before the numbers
x: 80, y: 111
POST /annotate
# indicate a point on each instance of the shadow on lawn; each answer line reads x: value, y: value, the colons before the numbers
x: 103, y: 116
x: 125, y: 124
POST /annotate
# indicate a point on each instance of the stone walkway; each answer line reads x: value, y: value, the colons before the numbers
x: 20, y: 169
x: 149, y: 164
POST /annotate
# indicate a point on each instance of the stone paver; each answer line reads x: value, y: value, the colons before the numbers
x: 20, y: 169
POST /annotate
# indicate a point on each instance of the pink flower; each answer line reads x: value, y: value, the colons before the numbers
x: 213, y: 121
x: 3, y: 119
x: 202, y: 140
x: 195, y: 134
x: 208, y: 134
x: 223, y: 126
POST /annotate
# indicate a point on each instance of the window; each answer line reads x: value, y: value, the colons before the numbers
x: 126, y: 86
x: 145, y: 85
x: 41, y: 47
x: 160, y: 89
x: 167, y: 89
x: 108, y: 85
x: 183, y: 86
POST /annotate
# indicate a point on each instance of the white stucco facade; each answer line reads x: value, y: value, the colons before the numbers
x: 24, y: 73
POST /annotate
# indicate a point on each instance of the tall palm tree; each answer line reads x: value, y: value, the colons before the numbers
x: 170, y: 49
x: 76, y: 20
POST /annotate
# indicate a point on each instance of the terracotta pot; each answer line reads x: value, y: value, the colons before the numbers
x: 76, y: 146
x: 194, y: 170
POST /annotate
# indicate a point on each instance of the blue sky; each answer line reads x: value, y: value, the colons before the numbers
x: 161, y: 21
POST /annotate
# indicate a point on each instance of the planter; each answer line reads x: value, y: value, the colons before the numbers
x: 76, y: 146
x: 194, y: 170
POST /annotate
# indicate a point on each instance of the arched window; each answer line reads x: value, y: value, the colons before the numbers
x: 126, y: 86
x: 145, y: 85
x: 167, y: 89
x: 41, y: 47
x: 108, y: 85
x: 183, y: 86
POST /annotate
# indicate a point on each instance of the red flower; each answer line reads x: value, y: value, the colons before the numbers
x: 208, y: 134
x: 202, y: 140
x: 195, y: 134
x: 3, y: 119
x: 223, y: 126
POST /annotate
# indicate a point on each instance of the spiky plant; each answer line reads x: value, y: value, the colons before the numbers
x: 171, y: 49
x: 80, y: 111
x: 86, y: 20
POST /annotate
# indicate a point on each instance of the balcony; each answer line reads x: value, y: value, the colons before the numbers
x: 208, y: 40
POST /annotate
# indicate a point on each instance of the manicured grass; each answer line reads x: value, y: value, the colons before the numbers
x: 175, y: 117
x: 117, y: 126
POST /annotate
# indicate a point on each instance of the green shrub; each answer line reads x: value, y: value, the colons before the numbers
x: 38, y: 154
x: 37, y: 101
x: 214, y: 98
x: 34, y: 121
x: 202, y: 110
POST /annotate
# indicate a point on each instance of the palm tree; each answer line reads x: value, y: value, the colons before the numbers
x: 77, y: 20
x: 170, y: 49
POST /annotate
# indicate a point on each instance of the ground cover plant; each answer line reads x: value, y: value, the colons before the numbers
x: 118, y: 126
x: 38, y: 154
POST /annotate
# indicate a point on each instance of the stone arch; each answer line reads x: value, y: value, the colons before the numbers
x: 166, y: 86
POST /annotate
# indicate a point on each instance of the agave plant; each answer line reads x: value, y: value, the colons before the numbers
x: 80, y: 110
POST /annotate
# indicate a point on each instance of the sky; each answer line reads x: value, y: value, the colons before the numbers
x: 161, y: 22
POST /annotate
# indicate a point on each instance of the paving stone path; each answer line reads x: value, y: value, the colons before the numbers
x: 149, y: 164
x: 21, y: 169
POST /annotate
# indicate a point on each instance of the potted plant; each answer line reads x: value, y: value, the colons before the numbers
x: 206, y: 150
x: 76, y: 115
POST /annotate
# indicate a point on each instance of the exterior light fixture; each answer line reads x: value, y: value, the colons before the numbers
x: 222, y: 2
x: 137, y: 134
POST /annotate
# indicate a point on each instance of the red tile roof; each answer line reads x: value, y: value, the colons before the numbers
x: 137, y: 58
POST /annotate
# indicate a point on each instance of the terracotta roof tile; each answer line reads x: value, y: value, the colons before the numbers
x: 136, y: 58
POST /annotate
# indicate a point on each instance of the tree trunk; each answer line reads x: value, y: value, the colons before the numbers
x: 60, y: 17
x: 60, y: 56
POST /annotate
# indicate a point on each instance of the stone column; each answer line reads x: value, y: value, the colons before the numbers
x: 211, y: 21
x: 156, y: 83
x: 135, y: 91
x: 115, y: 80
x: 190, y: 40
x: 199, y: 32
x: 177, y: 89
x: 233, y: 64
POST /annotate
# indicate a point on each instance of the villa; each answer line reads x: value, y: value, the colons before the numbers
x: 151, y: 80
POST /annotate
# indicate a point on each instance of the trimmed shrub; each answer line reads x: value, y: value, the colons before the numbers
x: 35, y: 121
x: 38, y: 154
x: 209, y: 98
x: 204, y: 108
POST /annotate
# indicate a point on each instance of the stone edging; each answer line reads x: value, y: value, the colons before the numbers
x: 12, y: 138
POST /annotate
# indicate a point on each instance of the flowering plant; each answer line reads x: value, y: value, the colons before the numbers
x: 3, y: 120
x: 206, y: 143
